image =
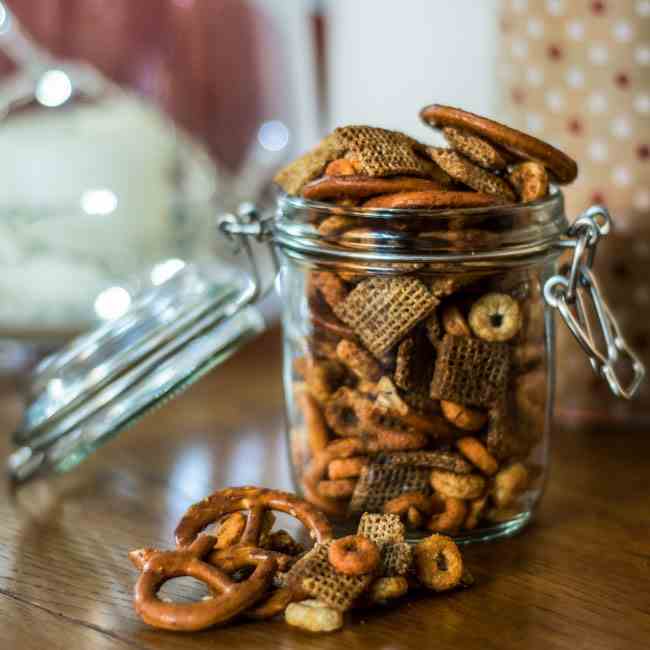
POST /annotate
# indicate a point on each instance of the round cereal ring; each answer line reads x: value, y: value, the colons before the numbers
x: 453, y: 321
x: 495, y: 317
x: 432, y: 199
x: 313, y: 616
x: 479, y: 151
x: 438, y: 563
x: 466, y: 172
x: 256, y: 502
x: 354, y: 555
x: 347, y: 467
x: 530, y: 180
x: 451, y: 518
x: 230, y: 530
x: 475, y: 510
x: 476, y: 452
x: 358, y: 187
x: 459, y: 486
x: 338, y: 489
x: 388, y: 588
x: 525, y: 146
x: 508, y: 484
x: 229, y: 598
x: 347, y: 412
x: 360, y: 362
x: 463, y: 417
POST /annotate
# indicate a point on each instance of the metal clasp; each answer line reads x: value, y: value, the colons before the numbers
x: 248, y: 223
x: 576, y: 289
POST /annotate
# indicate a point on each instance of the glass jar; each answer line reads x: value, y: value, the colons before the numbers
x: 419, y: 364
x: 419, y: 355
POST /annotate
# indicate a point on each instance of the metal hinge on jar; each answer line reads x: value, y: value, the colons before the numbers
x: 576, y: 290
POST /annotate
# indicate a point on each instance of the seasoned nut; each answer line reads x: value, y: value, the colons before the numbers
x: 508, y: 484
x: 360, y: 362
x: 475, y: 451
x: 459, y: 486
x: 389, y: 588
x: 313, y: 616
x: 453, y: 321
x: 388, y: 398
x: 464, y: 417
x: 495, y: 317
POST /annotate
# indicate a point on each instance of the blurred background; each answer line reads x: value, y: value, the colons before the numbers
x: 125, y: 127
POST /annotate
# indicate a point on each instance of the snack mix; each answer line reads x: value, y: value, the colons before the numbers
x: 255, y: 573
x: 420, y: 389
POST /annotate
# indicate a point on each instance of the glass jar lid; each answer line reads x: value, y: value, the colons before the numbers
x: 104, y: 381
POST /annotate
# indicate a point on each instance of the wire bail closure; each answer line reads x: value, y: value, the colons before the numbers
x: 576, y: 288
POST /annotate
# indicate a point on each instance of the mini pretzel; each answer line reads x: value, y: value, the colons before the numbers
x: 229, y: 598
x: 435, y: 198
x: 354, y: 555
x: 347, y: 412
x: 256, y: 501
x: 323, y: 377
x: 317, y: 469
x: 347, y: 467
x: 530, y: 180
x: 230, y: 530
x: 459, y: 486
x: 410, y: 506
x: 360, y: 362
x: 463, y: 417
x: 525, y: 146
x: 359, y: 187
x: 453, y: 321
x: 451, y: 518
x: 438, y: 563
x: 475, y: 451
x: 317, y: 432
x: 495, y: 317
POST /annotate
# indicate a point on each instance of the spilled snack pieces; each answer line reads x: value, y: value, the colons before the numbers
x: 429, y: 397
x: 312, y: 589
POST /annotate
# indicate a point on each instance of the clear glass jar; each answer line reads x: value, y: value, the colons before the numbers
x: 419, y: 361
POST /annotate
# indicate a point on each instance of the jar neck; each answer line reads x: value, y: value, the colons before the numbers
x: 504, y: 235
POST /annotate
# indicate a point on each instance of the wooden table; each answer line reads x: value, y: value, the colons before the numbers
x: 578, y: 578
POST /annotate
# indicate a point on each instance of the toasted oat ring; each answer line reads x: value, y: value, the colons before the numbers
x: 563, y: 168
x: 229, y: 598
x: 495, y: 317
x: 465, y: 171
x: 434, y: 198
x: 317, y: 469
x: 476, y: 452
x: 347, y: 467
x: 256, y: 501
x: 451, y: 518
x: 359, y: 187
x: 438, y: 563
x: 530, y: 180
x: 354, y: 555
x: 459, y: 486
x: 402, y: 504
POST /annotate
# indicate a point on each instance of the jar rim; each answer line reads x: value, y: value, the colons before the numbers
x: 519, y: 232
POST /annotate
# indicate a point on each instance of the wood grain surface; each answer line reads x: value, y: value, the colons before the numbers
x: 579, y: 577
